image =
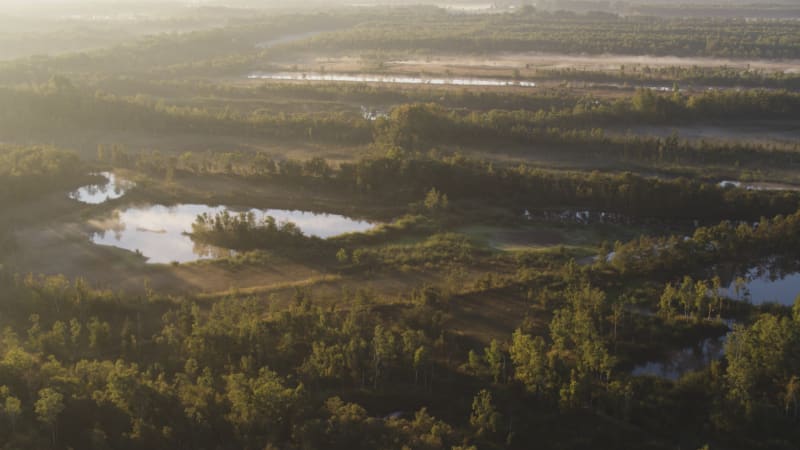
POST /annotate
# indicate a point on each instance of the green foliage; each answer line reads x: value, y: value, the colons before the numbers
x: 260, y: 407
x: 439, y: 250
x: 529, y: 356
x: 762, y: 364
x: 26, y: 173
x: 60, y: 111
x: 243, y: 232
x: 564, y: 32
x: 743, y: 244
x: 484, y: 418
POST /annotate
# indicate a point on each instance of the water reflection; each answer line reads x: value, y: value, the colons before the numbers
x: 395, y: 79
x: 158, y: 232
x: 96, y: 194
x: 684, y: 361
x: 774, y: 282
x: 765, y: 284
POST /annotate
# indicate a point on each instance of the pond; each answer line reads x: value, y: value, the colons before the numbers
x: 96, y: 194
x: 159, y: 232
x: 686, y: 360
x: 393, y: 79
x: 763, y: 285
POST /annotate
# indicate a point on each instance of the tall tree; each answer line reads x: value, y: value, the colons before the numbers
x: 48, y: 407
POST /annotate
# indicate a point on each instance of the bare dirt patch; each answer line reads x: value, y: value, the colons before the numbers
x: 486, y: 316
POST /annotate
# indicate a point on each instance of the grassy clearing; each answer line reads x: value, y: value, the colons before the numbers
x: 543, y: 236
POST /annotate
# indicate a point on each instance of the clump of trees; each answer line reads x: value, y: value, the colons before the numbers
x: 244, y: 232
x: 743, y: 243
x: 26, y: 172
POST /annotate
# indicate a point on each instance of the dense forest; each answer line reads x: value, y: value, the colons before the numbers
x: 198, y: 378
x: 574, y: 128
x: 570, y: 33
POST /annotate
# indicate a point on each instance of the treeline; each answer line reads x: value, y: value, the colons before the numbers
x: 576, y: 129
x: 244, y: 232
x: 523, y: 187
x: 406, y: 178
x: 28, y: 172
x: 567, y: 124
x: 564, y: 32
x: 415, y: 126
x: 743, y: 243
x: 425, y: 127
x: 59, y: 106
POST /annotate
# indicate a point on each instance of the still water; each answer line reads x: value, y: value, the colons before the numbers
x: 394, y: 79
x: 763, y: 285
x: 683, y: 361
x: 159, y: 232
x: 95, y: 194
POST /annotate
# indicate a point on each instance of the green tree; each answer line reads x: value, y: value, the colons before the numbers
x: 761, y: 361
x: 475, y: 362
x: 12, y: 409
x: 484, y: 418
x: 342, y: 256
x: 669, y: 298
x: 260, y: 407
x: 383, y: 352
x: 686, y: 295
x: 421, y: 357
x: 435, y: 201
x: 529, y: 356
x: 10, y: 406
x: 496, y: 360
x: 48, y: 407
x: 716, y: 296
x: 701, y: 300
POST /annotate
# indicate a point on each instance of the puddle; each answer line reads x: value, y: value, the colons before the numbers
x: 96, y: 194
